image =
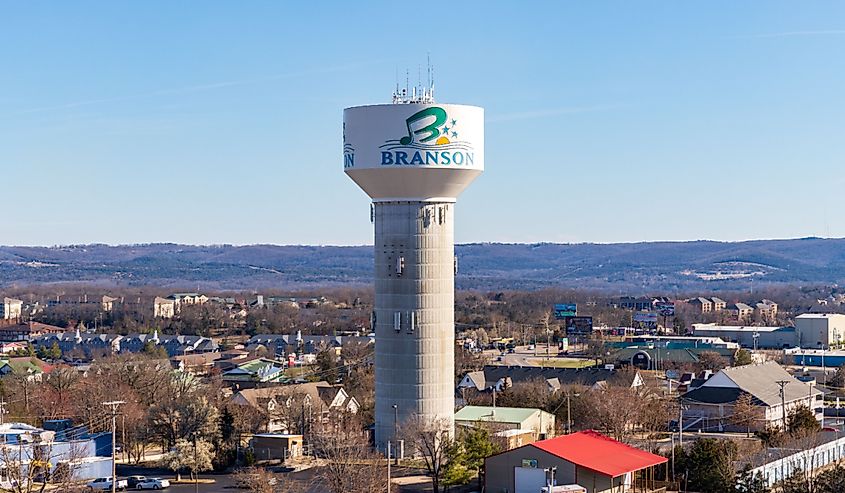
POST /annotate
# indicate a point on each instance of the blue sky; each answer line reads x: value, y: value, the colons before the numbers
x: 220, y: 122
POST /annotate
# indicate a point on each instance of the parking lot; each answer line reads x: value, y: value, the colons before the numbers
x: 222, y: 482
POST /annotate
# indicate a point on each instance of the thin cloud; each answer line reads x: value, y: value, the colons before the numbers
x: 192, y: 89
x: 788, y: 34
x: 569, y: 110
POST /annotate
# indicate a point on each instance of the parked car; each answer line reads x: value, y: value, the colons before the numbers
x: 153, y: 484
x: 132, y: 481
x: 104, y: 484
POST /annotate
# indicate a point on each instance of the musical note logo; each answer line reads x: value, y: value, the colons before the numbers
x: 425, y: 125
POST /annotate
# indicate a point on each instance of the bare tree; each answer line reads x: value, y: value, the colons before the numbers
x: 351, y: 465
x: 31, y: 467
x: 744, y: 413
x: 431, y: 440
x: 260, y: 480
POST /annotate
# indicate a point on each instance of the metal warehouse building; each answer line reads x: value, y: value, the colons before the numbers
x: 750, y: 336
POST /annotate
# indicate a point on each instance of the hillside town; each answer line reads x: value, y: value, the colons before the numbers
x: 758, y: 387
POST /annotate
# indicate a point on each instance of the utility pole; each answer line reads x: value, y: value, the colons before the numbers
x: 782, y: 384
x: 2, y: 410
x: 681, y: 425
x: 388, y: 466
x: 114, y: 405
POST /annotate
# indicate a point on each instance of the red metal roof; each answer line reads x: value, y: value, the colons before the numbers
x: 599, y: 453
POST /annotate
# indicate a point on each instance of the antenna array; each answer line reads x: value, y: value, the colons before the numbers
x: 421, y: 93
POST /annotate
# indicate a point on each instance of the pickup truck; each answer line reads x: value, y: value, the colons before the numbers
x: 104, y: 484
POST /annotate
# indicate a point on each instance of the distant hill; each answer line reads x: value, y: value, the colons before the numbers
x: 628, y: 267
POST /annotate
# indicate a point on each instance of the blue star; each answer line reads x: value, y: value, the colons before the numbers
x: 454, y: 135
x: 446, y: 130
x: 454, y: 122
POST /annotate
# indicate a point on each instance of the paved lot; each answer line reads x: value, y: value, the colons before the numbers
x: 223, y: 483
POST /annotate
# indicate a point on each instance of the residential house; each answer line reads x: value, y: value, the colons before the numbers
x: 188, y: 299
x: 26, y: 331
x: 718, y: 304
x: 198, y: 364
x: 12, y: 309
x: 164, y: 308
x: 767, y: 310
x: 107, y: 303
x: 286, y: 407
x: 88, y: 345
x: 597, y: 463
x: 703, y: 305
x: 31, y: 368
x: 740, y: 311
x: 179, y: 344
x: 711, y: 405
x: 282, y: 344
x: 81, y: 345
x: 540, y: 423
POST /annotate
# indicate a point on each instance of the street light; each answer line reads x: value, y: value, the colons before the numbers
x: 395, y: 421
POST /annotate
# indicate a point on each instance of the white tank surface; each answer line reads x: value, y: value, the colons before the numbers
x: 417, y: 151
x: 413, y: 158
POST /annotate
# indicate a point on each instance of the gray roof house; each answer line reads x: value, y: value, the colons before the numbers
x: 711, y: 405
x: 497, y: 377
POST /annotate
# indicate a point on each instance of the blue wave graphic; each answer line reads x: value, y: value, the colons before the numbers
x: 394, y: 144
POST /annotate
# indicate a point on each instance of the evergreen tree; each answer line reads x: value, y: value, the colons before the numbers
x: 801, y: 421
x: 747, y: 482
x: 742, y: 358
x: 55, y: 352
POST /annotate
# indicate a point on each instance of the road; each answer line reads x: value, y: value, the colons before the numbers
x: 223, y: 483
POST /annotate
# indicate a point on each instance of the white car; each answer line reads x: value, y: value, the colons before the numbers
x: 153, y: 484
x: 104, y: 484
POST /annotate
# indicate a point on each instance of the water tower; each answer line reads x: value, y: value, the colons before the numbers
x: 413, y: 158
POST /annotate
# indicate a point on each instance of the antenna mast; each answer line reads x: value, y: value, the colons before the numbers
x: 420, y: 93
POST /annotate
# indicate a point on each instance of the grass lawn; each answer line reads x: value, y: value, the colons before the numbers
x: 562, y: 362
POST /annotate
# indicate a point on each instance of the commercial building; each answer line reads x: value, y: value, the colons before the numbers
x: 596, y: 462
x: 493, y: 377
x: 750, y: 336
x: 540, y: 423
x: 817, y: 330
x: 817, y: 357
x: 276, y: 446
x: 27, y: 452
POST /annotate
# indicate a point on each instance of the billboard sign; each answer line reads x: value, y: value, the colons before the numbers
x: 645, y: 320
x: 563, y: 310
x: 579, y: 325
x: 665, y: 308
